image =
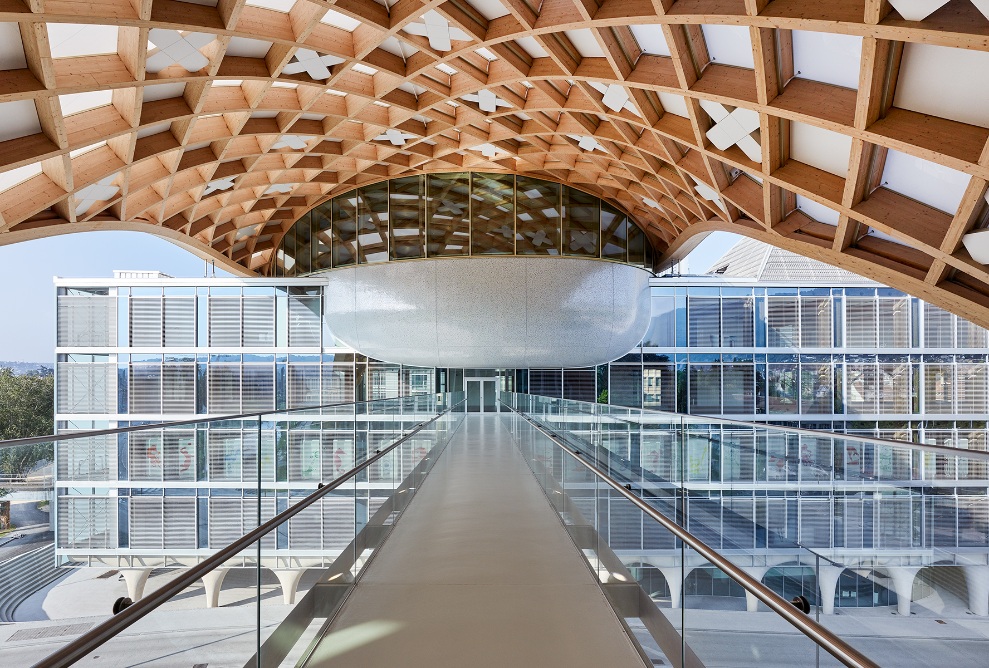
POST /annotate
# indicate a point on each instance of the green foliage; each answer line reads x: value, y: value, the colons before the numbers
x: 603, y: 397
x: 26, y: 409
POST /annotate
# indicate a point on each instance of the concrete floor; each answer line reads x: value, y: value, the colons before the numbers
x: 479, y: 571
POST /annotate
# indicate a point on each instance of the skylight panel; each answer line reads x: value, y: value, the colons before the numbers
x: 395, y: 47
x: 227, y: 83
x: 830, y: 58
x: 163, y: 91
x: 818, y: 212
x: 673, y: 104
x: 934, y: 185
x: 651, y: 40
x: 79, y: 102
x: 487, y: 55
x: 531, y: 47
x: 277, y: 5
x: 489, y: 9
x: 20, y: 119
x: 820, y: 148
x: 729, y: 45
x: 583, y: 40
x: 338, y: 20
x: 945, y: 82
x: 76, y: 39
x: 153, y: 129
x: 437, y: 29
x: 86, y: 149
x: 18, y: 176
x: 446, y: 69
x: 364, y: 69
x: 11, y: 48
x: 247, y: 48
x: 283, y: 84
x: 172, y: 47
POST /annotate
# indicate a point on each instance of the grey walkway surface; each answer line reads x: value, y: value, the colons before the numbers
x: 478, y: 572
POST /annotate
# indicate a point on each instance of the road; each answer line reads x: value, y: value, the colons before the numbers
x: 32, y: 527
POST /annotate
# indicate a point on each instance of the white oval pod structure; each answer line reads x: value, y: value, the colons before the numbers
x: 490, y: 312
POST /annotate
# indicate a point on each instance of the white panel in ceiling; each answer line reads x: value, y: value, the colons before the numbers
x: 489, y: 9
x: 583, y: 40
x: 532, y: 47
x: 16, y: 176
x: 11, y: 49
x: 946, y: 82
x: 86, y: 149
x: 205, y: 3
x: 152, y: 129
x: 818, y: 212
x: 729, y: 45
x: 79, y: 102
x: 163, y: 91
x: 396, y: 47
x: 651, y: 39
x: 827, y: 57
x: 339, y: 20
x: 820, y: 148
x: 20, y: 119
x: 277, y: 5
x: 674, y: 104
x: 76, y: 39
x: 873, y: 232
x: 248, y: 48
x: 935, y: 185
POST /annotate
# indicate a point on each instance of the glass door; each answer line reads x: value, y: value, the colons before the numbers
x: 473, y: 396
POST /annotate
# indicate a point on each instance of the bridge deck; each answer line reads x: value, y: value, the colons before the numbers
x: 478, y: 572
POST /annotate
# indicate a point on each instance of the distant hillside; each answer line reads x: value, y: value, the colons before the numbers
x: 22, y: 368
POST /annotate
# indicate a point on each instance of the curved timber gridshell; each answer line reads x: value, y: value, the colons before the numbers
x: 853, y: 132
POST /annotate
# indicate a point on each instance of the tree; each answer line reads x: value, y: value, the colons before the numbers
x: 26, y: 410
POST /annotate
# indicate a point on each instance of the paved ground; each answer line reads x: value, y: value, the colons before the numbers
x: 32, y: 529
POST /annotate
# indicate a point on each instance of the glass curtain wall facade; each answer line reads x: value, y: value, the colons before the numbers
x: 458, y: 215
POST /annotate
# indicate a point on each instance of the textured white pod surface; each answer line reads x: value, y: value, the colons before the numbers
x: 500, y: 312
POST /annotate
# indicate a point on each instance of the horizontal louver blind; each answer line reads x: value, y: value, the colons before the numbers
x: 894, y: 323
x: 304, y: 322
x: 860, y: 388
x: 739, y: 388
x: 258, y: 387
x: 224, y: 388
x: 224, y: 448
x: 938, y: 383
x: 87, y: 320
x: 178, y: 388
x: 860, y: 322
x: 145, y: 322
x: 146, y: 527
x: 894, y: 388
x: 815, y: 322
x: 226, y: 522
x: 938, y: 327
x: 339, y: 523
x: 970, y: 335
x: 86, y: 388
x: 87, y: 523
x: 259, y: 321
x: 180, y: 523
x: 146, y: 455
x: 224, y: 322
x: 784, y: 327
x: 179, y: 455
x: 93, y: 458
x: 971, y: 388
x: 546, y: 382
x: 305, y: 528
x: 338, y: 454
x: 145, y: 388
x: 180, y: 321
x: 303, y: 385
x: 704, y: 318
x: 304, y: 456
x: 816, y: 390
x: 737, y: 323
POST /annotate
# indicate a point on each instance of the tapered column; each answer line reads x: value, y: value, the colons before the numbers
x: 903, y: 586
x: 289, y: 578
x: 757, y: 572
x: 977, y: 583
x: 827, y: 582
x: 213, y: 581
x: 135, y: 578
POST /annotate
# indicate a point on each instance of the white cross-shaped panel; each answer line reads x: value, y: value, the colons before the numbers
x: 734, y: 128
x: 179, y: 48
x: 100, y: 191
x: 218, y: 184
x: 437, y: 30
x: 312, y: 63
x: 294, y: 142
x: 709, y: 193
x: 588, y: 143
x: 615, y: 97
x: 396, y: 137
x: 279, y: 188
x: 486, y: 100
x: 488, y: 150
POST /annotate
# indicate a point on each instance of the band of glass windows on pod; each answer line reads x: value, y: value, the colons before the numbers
x: 456, y: 215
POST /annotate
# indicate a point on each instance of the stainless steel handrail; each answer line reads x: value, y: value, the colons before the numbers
x: 705, y: 419
x: 824, y: 638
x: 67, y: 436
x: 81, y: 646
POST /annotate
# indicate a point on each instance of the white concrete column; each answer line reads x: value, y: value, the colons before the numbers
x: 903, y: 586
x: 757, y: 572
x: 289, y: 578
x: 977, y: 583
x: 674, y: 580
x: 213, y: 581
x: 135, y: 578
x: 827, y: 582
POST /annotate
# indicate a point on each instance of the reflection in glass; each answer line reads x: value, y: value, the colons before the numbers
x: 448, y: 213
x: 538, y: 217
x: 321, y: 228
x: 345, y: 230
x: 408, y: 222
x: 581, y: 232
x: 289, y: 245
x: 303, y: 246
x: 493, y: 213
x: 372, y: 234
x: 614, y: 233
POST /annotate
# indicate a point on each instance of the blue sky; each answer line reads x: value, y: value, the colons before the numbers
x: 27, y: 301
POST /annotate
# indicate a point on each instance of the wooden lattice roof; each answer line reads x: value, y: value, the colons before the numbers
x: 839, y: 129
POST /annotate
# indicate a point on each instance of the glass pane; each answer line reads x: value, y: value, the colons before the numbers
x: 448, y: 213
x: 636, y: 245
x: 321, y: 225
x: 582, y: 215
x: 373, y: 233
x: 288, y: 243
x: 614, y: 233
x: 408, y: 223
x: 493, y: 213
x: 303, y: 246
x: 345, y: 230
x: 538, y: 217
